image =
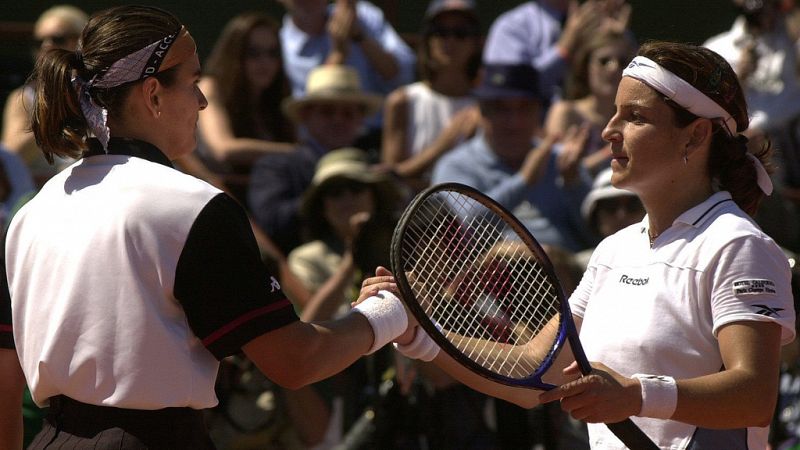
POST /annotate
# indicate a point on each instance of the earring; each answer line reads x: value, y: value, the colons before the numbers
x: 685, y: 157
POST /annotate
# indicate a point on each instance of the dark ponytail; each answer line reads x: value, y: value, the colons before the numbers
x: 728, y: 165
x: 58, y: 123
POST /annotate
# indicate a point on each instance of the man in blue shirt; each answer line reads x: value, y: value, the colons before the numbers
x: 543, y: 34
x: 542, y: 184
x: 350, y: 32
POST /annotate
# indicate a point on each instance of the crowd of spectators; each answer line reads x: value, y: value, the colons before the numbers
x: 324, y: 123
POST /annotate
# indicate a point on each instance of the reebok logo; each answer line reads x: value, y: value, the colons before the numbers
x: 633, y: 281
x: 768, y: 311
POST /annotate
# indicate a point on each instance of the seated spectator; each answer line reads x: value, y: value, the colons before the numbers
x: 607, y: 210
x: 424, y: 120
x: 244, y: 83
x: 329, y: 116
x: 543, y: 34
x: 541, y: 183
x: 351, y: 211
x: 57, y: 27
x: 589, y: 96
x: 349, y: 32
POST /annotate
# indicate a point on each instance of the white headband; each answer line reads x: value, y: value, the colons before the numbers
x: 679, y: 91
x: 689, y: 97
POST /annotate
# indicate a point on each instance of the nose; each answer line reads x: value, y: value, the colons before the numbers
x: 611, y: 132
x: 201, y: 99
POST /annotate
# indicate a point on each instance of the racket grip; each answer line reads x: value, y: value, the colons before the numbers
x: 632, y: 436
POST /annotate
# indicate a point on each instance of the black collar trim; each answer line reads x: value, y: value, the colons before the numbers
x: 129, y: 147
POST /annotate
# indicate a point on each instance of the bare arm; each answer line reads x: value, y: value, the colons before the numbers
x: 11, y: 389
x: 345, y: 30
x: 16, y: 121
x: 395, y: 126
x: 215, y: 128
x: 741, y: 395
x: 744, y: 394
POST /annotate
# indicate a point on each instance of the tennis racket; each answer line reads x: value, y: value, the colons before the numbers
x: 484, y: 290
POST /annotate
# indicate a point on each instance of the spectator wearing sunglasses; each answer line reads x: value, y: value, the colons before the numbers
x: 351, y: 210
x: 546, y: 34
x: 424, y: 120
x: 57, y: 27
x: 588, y: 102
x: 245, y: 85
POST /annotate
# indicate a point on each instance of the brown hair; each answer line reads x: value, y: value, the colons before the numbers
x: 708, y: 72
x: 58, y: 123
x: 226, y: 65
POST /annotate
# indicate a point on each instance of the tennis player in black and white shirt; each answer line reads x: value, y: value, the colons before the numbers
x: 130, y: 280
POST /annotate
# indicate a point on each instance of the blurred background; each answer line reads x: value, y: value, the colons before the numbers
x: 684, y: 20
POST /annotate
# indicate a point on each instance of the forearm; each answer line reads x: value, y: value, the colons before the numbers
x: 417, y: 164
x: 382, y: 61
x: 728, y: 399
x: 524, y: 397
x: 328, y: 298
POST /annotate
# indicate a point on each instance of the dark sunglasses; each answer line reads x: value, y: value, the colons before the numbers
x: 456, y: 32
x: 261, y: 52
x: 339, y: 187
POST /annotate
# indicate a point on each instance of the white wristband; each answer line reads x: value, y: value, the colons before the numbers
x: 386, y: 315
x: 659, y: 395
x: 422, y: 347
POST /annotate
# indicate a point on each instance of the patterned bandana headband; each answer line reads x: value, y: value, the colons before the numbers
x: 157, y: 57
x: 684, y: 94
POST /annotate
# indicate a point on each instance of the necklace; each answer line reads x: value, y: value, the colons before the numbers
x: 652, y: 237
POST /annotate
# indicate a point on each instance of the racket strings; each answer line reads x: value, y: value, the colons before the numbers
x: 476, y: 279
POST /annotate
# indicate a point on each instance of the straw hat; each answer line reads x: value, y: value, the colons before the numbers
x: 332, y: 83
x: 347, y: 163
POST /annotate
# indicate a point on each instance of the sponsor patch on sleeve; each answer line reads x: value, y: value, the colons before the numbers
x: 754, y: 286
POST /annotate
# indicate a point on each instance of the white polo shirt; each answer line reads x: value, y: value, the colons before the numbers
x: 129, y: 280
x: 658, y: 310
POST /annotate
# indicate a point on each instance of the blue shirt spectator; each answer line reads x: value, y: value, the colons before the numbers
x: 304, y: 51
x: 527, y: 176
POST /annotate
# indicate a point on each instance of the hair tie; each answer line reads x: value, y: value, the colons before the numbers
x: 95, y: 115
x: 762, y: 177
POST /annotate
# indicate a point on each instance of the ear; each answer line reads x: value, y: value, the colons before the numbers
x: 151, y: 94
x: 699, y: 135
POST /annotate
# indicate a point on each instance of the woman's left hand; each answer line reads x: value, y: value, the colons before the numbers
x: 603, y: 396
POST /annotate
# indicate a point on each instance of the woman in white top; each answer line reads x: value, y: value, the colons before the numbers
x: 683, y: 314
x: 425, y: 119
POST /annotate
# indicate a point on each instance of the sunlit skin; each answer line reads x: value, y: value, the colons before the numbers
x: 646, y: 145
x: 182, y: 101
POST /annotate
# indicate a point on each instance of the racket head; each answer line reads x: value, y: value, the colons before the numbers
x: 439, y: 259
